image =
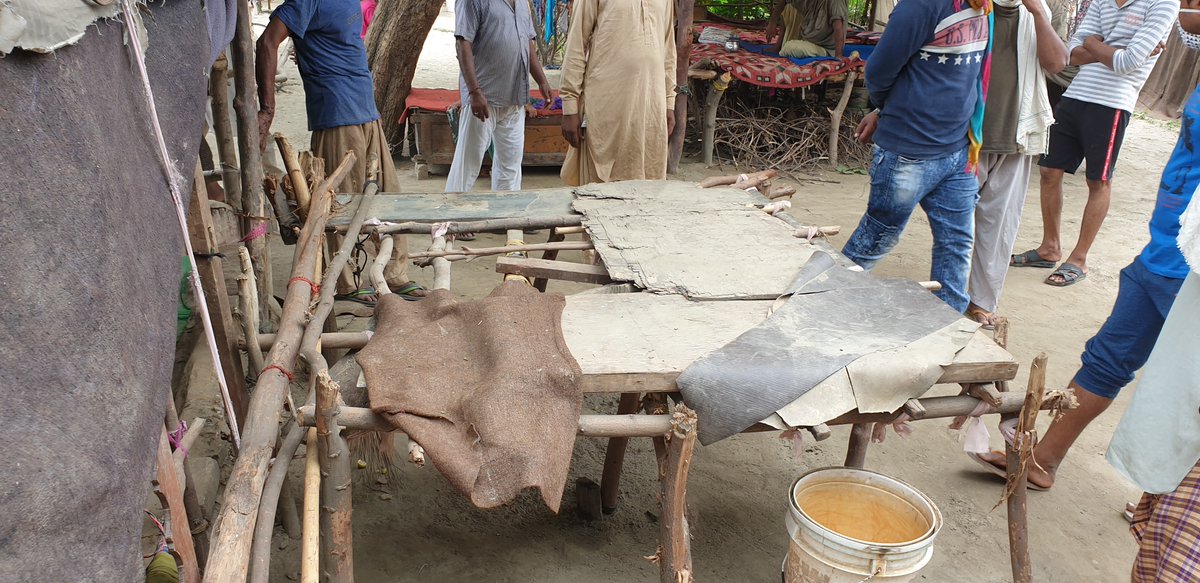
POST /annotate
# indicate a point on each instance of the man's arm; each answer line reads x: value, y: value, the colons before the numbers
x: 909, y: 28
x: 535, y: 68
x: 1126, y: 60
x: 839, y: 12
x: 266, y: 57
x: 773, y: 21
x: 466, y: 63
x: 1089, y: 26
x: 575, y: 63
x: 1052, y: 52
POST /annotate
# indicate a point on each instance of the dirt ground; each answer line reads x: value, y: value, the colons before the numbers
x: 425, y: 531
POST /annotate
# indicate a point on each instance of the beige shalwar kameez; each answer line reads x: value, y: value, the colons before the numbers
x: 619, y: 73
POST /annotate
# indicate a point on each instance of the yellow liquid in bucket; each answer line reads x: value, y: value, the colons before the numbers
x: 863, y: 513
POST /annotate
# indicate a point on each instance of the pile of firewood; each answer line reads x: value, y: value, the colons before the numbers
x: 779, y: 138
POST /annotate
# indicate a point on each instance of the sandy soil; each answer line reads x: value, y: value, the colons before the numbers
x: 425, y: 531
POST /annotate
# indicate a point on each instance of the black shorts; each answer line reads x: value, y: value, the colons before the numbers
x: 1086, y: 131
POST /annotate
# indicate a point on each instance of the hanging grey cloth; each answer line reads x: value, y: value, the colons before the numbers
x: 833, y: 317
x: 221, y: 18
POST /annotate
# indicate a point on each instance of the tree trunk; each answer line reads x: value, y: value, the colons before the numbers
x: 683, y: 52
x: 393, y: 46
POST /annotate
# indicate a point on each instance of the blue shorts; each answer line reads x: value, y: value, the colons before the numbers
x: 1124, y: 342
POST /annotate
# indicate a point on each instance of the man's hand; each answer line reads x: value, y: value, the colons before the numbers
x: 547, y: 96
x: 1160, y: 47
x: 1090, y: 42
x: 572, y: 132
x: 670, y: 122
x: 866, y: 128
x: 770, y: 32
x: 479, y: 105
x: 1033, y: 6
x: 265, y: 117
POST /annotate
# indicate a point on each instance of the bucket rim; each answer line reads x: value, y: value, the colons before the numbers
x: 915, y: 544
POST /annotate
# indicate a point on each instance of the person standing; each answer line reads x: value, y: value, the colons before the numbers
x: 618, y: 90
x: 1025, y: 49
x: 339, y: 96
x: 1148, y: 287
x: 925, y: 78
x: 1116, y: 46
x: 496, y: 53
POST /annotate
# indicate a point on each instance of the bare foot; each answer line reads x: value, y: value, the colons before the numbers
x: 984, y: 317
x: 1038, y: 475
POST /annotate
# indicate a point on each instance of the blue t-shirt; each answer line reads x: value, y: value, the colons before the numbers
x: 1179, y: 181
x: 332, y: 59
x: 924, y: 76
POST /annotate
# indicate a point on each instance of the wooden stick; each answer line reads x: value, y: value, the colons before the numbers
x: 248, y: 296
x: 715, y: 90
x: 614, y: 457
x: 310, y: 554
x: 486, y: 226
x: 860, y: 438
x: 336, y: 488
x: 733, y: 179
x: 295, y: 174
x: 260, y: 556
x: 254, y: 202
x: 782, y: 192
x: 189, y: 440
x: 931, y: 285
x: 805, y: 231
x: 378, y: 281
x: 835, y: 117
x: 576, y: 230
x: 985, y: 392
x: 218, y: 90
x: 441, y: 266
x: 820, y: 432
x: 466, y: 252
x: 230, y: 552
x: 675, y: 536
x: 1018, y: 456
x: 212, y: 278
x: 170, y: 492
x: 754, y: 180
x: 562, y: 270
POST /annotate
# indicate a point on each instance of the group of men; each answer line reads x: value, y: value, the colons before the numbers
x: 962, y: 113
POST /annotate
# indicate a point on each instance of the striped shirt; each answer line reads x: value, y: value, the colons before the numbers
x: 1134, y: 29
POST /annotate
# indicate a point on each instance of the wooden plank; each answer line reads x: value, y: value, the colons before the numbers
x: 169, y: 489
x: 458, y: 207
x: 546, y: 269
x: 212, y: 277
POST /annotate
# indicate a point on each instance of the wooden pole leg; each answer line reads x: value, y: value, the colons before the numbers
x: 860, y: 438
x: 1019, y: 454
x: 614, y: 457
x: 676, y: 539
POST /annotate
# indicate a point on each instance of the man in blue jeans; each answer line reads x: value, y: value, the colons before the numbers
x: 925, y: 80
x: 1148, y: 287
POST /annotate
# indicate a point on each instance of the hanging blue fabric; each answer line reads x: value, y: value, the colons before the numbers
x: 550, y: 19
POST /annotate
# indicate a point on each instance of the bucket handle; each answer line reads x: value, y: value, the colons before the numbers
x: 878, y: 569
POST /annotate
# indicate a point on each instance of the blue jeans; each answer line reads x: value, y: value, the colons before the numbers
x: 1124, y: 342
x: 947, y: 193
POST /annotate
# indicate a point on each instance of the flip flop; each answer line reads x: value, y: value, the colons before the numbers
x: 986, y: 320
x: 407, y: 290
x: 1070, y: 274
x: 358, y: 297
x: 992, y: 469
x: 1030, y: 258
x: 1130, y: 508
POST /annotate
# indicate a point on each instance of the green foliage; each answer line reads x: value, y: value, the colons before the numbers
x: 760, y: 10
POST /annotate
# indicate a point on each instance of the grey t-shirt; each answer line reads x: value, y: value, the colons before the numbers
x: 816, y: 20
x: 499, y: 34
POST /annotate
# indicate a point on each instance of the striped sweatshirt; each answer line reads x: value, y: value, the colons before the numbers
x: 1134, y: 30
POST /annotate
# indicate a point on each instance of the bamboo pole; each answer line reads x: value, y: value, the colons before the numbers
x: 378, y: 280
x: 295, y: 174
x: 468, y: 252
x: 715, y: 90
x: 337, y: 507
x: 218, y: 91
x: 835, y: 117
x: 260, y: 556
x: 485, y: 226
x: 248, y: 296
x: 675, y: 536
x: 614, y: 457
x: 254, y: 201
x: 310, y: 555
x: 856, y: 451
x: 1018, y: 456
x: 230, y: 549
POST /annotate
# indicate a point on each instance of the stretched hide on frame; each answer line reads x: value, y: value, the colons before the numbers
x: 89, y: 281
x: 487, y: 387
x: 833, y: 317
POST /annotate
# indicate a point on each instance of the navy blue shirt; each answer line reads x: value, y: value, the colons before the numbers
x: 924, y: 77
x: 332, y: 59
x: 1180, y: 178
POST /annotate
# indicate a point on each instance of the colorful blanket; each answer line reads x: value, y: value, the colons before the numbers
x: 754, y: 64
x: 442, y: 100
